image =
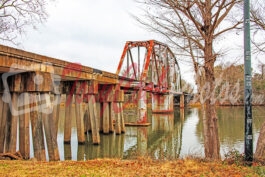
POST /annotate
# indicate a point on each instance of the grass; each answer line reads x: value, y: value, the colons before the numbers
x: 141, y: 166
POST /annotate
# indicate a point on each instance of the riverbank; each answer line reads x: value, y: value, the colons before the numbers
x: 118, y: 167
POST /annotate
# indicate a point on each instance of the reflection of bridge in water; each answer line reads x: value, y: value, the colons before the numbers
x: 34, y: 88
x: 162, y: 140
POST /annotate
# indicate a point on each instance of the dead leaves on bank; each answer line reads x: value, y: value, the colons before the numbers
x: 11, y: 156
x: 117, y: 167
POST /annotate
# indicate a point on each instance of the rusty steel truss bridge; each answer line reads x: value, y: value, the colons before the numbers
x: 34, y: 88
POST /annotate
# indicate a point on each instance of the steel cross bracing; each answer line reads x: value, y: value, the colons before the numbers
x: 149, y: 65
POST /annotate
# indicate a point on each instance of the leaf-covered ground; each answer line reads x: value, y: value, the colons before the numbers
x: 117, y: 167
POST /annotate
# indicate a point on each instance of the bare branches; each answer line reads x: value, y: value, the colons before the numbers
x: 193, y: 27
x: 16, y: 15
x: 258, y: 21
x: 188, y: 24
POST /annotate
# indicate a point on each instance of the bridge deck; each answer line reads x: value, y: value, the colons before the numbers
x: 95, y: 97
x: 12, y: 58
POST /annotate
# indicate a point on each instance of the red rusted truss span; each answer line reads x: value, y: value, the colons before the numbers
x: 150, y: 65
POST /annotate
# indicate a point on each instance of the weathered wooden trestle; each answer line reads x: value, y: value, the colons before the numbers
x: 33, y: 88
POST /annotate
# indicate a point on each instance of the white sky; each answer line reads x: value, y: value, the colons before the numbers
x: 93, y: 33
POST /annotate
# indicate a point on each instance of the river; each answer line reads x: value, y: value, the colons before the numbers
x: 168, y: 137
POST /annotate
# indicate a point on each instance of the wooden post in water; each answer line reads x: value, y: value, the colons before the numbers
x: 117, y: 118
x: 24, y: 126
x: 106, y: 97
x: 82, y: 89
x: 118, y: 99
x: 68, y: 122
x: 12, y: 119
x: 100, y: 116
x: 11, y: 136
x: 142, y: 106
x: 182, y: 101
x: 56, y: 100
x: 92, y: 109
x: 106, y: 117
x: 122, y: 118
x: 87, y: 124
x: 49, y: 128
x: 2, y: 124
x: 79, y: 113
x: 93, y: 119
x: 182, y: 114
x: 3, y: 118
x: 37, y: 130
x: 111, y: 117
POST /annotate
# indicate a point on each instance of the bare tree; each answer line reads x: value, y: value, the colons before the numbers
x: 260, y: 148
x: 192, y: 28
x: 16, y: 15
x: 258, y: 26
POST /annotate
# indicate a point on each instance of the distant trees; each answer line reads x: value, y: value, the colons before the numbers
x: 16, y: 15
x: 258, y: 82
x: 230, y: 84
x: 258, y: 40
x: 233, y: 75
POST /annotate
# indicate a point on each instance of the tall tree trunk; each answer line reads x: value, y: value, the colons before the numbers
x: 211, y: 136
x: 260, y: 150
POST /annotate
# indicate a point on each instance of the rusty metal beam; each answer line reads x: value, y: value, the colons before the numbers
x: 159, y: 61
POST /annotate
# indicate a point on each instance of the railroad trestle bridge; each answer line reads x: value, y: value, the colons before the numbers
x: 33, y: 89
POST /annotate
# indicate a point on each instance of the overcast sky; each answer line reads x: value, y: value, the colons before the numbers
x: 92, y: 33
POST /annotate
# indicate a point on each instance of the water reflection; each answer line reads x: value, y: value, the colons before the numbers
x: 168, y: 137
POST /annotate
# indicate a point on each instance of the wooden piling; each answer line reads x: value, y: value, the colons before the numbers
x: 106, y: 117
x: 24, y: 146
x: 68, y: 122
x: 79, y: 113
x: 7, y: 129
x: 122, y: 118
x: 111, y: 117
x: 118, y: 119
x: 182, y: 114
x: 100, y: 116
x: 49, y: 128
x: 87, y: 123
x: 11, y: 130
x: 37, y: 128
x: 93, y: 119
x: 118, y: 99
x: 182, y: 101
x: 56, y: 111
x: 3, y: 113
